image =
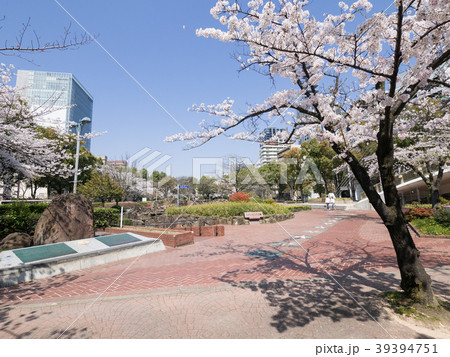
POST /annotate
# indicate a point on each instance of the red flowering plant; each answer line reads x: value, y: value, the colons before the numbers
x: 239, y: 197
x: 418, y: 212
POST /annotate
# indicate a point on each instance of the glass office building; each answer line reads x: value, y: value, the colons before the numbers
x: 61, y: 94
x: 270, y: 132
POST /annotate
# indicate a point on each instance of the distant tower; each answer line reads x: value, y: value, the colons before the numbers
x: 62, y: 92
x: 270, y: 132
x: 269, y: 148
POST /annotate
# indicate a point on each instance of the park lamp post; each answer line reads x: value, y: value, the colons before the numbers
x: 78, y: 126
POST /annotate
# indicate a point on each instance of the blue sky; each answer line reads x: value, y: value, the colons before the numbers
x: 155, y: 41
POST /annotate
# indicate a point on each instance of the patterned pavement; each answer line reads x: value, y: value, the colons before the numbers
x: 296, y: 279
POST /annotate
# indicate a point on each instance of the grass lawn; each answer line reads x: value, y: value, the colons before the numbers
x: 430, y: 226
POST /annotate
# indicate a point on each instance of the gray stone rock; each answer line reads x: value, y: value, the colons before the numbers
x: 68, y: 217
x: 16, y: 241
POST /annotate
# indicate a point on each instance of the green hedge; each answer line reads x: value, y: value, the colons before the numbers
x: 106, y: 217
x: 442, y: 216
x: 267, y: 200
x: 127, y: 222
x: 416, y: 205
x: 20, y: 217
x: 297, y: 208
x: 23, y: 217
x: 228, y: 209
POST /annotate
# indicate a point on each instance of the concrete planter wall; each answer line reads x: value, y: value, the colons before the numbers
x: 205, y: 231
x: 185, y: 220
x: 169, y: 239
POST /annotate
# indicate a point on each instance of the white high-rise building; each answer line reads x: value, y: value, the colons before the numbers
x: 268, y: 150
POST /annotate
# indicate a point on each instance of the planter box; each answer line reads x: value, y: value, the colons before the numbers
x: 196, y: 231
x: 220, y: 231
x: 208, y: 231
x: 169, y: 239
x: 205, y: 231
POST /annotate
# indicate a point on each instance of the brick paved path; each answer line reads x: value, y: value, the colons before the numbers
x: 256, y: 281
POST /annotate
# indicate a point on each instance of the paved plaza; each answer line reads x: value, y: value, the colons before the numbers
x: 318, y: 275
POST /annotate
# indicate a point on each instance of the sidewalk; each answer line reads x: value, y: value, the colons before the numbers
x: 256, y: 282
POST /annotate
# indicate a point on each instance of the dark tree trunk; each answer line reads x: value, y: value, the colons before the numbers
x: 414, y: 280
x: 434, y: 195
x: 7, y: 186
x: 33, y: 189
x: 436, y: 184
x: 7, y: 192
x: 433, y: 184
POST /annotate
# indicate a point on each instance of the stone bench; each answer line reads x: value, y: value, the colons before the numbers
x: 253, y: 216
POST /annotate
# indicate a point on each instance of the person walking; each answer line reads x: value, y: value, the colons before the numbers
x: 327, y: 202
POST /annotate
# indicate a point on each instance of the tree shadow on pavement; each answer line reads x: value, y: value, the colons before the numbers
x: 20, y: 320
x: 333, y: 292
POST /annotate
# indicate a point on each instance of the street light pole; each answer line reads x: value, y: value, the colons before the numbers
x: 83, y: 121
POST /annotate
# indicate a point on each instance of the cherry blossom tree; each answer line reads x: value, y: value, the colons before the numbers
x: 352, y: 74
x: 424, y: 148
x: 22, y: 149
x: 66, y: 143
x: 135, y: 187
x: 27, y: 41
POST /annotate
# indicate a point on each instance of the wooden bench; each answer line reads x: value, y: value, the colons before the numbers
x: 253, y: 216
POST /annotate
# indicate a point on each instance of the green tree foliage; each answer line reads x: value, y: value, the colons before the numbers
x: 325, y: 160
x: 271, y: 173
x: 157, y: 176
x: 167, y: 185
x: 186, y: 193
x: 293, y: 171
x: 102, y: 188
x: 66, y: 143
x: 207, y: 186
x: 144, y: 174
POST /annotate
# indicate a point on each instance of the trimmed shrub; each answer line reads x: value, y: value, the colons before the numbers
x: 297, y: 208
x: 269, y: 201
x: 442, y: 216
x: 127, y: 222
x: 417, y: 204
x: 106, y: 217
x: 418, y: 212
x: 20, y: 217
x: 228, y: 209
x: 239, y: 197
